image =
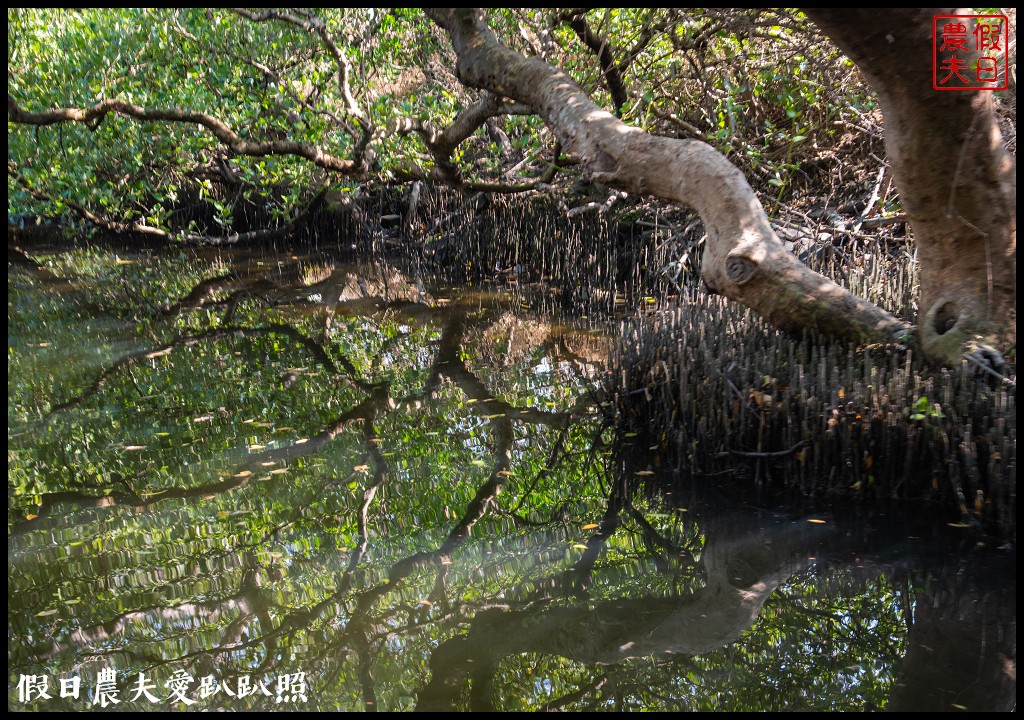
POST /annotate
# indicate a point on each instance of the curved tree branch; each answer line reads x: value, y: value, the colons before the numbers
x: 92, y: 116
x: 744, y: 261
x: 442, y: 144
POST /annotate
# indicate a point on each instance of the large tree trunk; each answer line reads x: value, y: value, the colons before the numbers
x: 969, y: 279
x: 956, y: 181
x: 744, y: 259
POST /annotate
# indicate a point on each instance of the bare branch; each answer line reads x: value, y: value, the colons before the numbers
x: 442, y: 144
x: 94, y: 115
x: 601, y: 48
x: 315, y: 25
x: 269, y: 73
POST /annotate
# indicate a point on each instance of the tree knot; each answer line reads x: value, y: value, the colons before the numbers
x: 740, y: 269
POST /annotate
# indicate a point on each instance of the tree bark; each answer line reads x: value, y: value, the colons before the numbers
x: 744, y: 259
x: 956, y: 181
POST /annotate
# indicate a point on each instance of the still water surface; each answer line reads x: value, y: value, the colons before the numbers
x: 289, y: 482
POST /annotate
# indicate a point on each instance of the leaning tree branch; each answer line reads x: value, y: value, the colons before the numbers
x: 442, y: 144
x: 94, y: 115
x: 744, y: 259
x: 471, y: 119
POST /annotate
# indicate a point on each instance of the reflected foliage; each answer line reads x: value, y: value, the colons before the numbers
x: 234, y: 466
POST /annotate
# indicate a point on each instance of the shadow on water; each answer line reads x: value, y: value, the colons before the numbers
x: 243, y: 482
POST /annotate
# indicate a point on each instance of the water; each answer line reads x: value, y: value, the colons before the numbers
x: 281, y: 482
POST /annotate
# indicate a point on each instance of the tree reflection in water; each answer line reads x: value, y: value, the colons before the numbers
x: 251, y: 468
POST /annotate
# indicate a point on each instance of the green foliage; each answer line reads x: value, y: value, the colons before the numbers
x: 265, y: 80
x: 923, y: 409
x: 190, y: 488
x: 758, y: 84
